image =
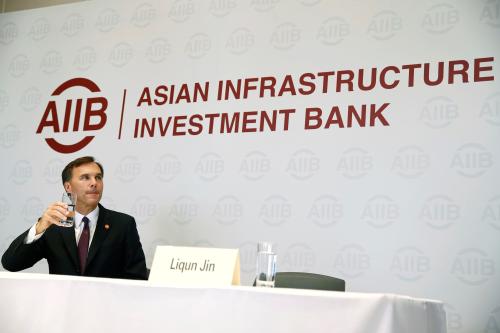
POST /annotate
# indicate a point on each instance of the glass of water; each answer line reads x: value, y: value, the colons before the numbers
x: 266, y: 265
x: 70, y: 200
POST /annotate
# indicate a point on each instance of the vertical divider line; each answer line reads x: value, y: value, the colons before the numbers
x: 121, y: 117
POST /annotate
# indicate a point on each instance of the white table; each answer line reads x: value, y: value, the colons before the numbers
x: 47, y: 303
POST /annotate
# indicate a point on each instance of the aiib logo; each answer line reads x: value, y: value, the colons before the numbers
x: 453, y: 319
x: 333, y: 31
x: 31, y: 209
x: 384, y: 25
x: 493, y: 323
x: 240, y: 41
x: 184, y: 210
x: 64, y: 112
x: 221, y: 8
x: 263, y: 5
x: 248, y: 257
x: 298, y: 256
x: 352, y: 261
x: 491, y: 13
x: 410, y: 264
x: 440, y: 18
x: 181, y: 10
x: 285, y: 36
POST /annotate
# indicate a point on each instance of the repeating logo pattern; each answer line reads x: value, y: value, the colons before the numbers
x: 298, y: 257
x: 384, y: 25
x: 9, y: 136
x: 440, y: 18
x: 410, y: 162
x: 275, y: 210
x: 431, y: 173
x: 248, y: 257
x: 453, y: 318
x: 439, y: 212
x: 30, y: 99
x: 439, y: 112
x: 493, y: 322
x: 240, y: 41
x: 222, y: 8
x: 51, y: 62
x: 210, y: 166
x: 143, y: 15
x: 40, y: 29
x: 473, y: 267
x: 182, y: 10
x: 310, y: 3
x: 472, y: 160
x: 303, y: 164
x: 22, y: 172
x: 490, y: 14
x: 198, y: 46
x: 264, y: 5
x: 158, y: 50
x: 333, y: 31
x: 85, y: 58
x: 380, y: 211
x: 355, y: 163
x: 184, y: 210
x: 352, y: 261
x: 490, y: 110
x: 107, y: 20
x: 19, y: 65
x: 121, y: 54
x: 128, y: 169
x: 8, y: 33
x: 491, y: 212
x: 410, y: 264
x: 228, y: 210
x: 52, y: 171
x: 32, y: 209
x: 285, y: 36
x: 4, y: 101
x: 255, y: 165
x: 167, y: 167
x: 144, y: 209
x: 326, y: 211
x: 73, y: 25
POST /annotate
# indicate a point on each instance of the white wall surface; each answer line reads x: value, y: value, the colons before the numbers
x: 409, y: 208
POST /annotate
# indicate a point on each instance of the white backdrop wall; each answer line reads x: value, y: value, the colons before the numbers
x: 410, y: 208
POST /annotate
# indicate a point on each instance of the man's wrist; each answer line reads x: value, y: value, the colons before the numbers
x: 39, y: 228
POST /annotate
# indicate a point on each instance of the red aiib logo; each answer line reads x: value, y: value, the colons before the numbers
x: 68, y: 118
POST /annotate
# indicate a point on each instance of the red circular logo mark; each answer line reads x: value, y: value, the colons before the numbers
x: 68, y: 118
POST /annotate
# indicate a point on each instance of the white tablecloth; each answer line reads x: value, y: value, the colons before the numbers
x: 46, y: 303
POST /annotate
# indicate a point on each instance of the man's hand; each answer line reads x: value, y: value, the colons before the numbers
x: 53, y: 214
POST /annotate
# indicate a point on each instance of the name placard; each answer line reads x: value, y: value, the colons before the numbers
x: 195, y: 266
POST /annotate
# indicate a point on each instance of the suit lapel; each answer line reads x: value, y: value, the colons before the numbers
x: 100, y: 234
x: 68, y: 235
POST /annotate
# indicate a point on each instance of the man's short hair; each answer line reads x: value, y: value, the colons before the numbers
x: 67, y: 173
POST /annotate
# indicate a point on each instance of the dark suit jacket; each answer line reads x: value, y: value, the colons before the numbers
x: 115, y: 251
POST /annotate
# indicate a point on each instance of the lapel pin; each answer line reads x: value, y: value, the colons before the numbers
x: 106, y: 226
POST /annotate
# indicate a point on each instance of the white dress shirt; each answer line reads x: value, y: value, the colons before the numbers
x: 92, y: 216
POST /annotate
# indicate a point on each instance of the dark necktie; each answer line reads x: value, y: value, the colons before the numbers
x: 83, y: 244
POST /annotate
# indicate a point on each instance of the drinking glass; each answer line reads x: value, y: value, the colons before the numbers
x: 70, y: 200
x: 266, y: 265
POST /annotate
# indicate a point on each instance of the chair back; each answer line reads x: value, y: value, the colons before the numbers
x: 299, y: 280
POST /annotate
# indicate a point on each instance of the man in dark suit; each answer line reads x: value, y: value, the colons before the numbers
x: 102, y: 243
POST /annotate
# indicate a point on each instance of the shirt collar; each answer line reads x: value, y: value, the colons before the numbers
x: 92, y: 216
